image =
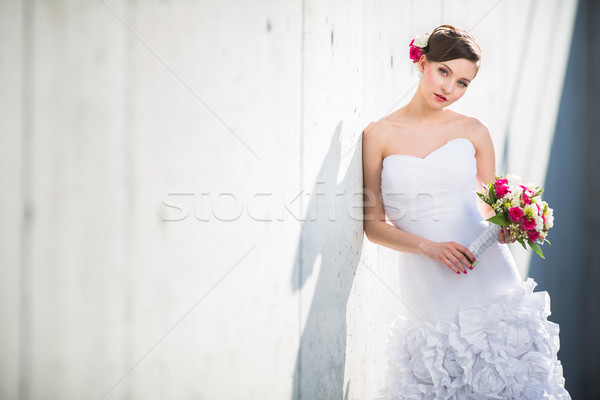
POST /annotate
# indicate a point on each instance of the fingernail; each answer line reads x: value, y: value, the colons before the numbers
x: 470, y: 266
x: 465, y: 271
x: 458, y: 272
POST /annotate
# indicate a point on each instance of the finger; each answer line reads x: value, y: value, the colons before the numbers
x: 467, y: 252
x: 451, y: 266
x: 463, y: 259
x: 501, y: 236
x: 457, y: 263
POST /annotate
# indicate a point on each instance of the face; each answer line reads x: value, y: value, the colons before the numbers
x: 446, y: 82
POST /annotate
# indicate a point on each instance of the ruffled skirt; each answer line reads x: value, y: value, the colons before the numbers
x: 505, y: 349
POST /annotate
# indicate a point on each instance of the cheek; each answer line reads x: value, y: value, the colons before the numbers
x: 460, y: 93
x: 432, y: 79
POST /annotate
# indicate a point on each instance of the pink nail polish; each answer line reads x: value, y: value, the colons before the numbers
x: 458, y: 272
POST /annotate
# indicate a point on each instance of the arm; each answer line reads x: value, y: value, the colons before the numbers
x: 486, y: 167
x: 376, y: 228
x: 379, y: 231
x: 486, y: 164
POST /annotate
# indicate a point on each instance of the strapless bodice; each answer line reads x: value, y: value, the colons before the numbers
x: 434, y: 197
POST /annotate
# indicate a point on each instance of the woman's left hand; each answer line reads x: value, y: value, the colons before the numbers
x: 504, y: 235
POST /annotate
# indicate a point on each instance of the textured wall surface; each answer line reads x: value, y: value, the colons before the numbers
x: 571, y: 271
x: 182, y: 186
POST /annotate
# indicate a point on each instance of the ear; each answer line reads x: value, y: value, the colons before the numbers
x: 422, y: 62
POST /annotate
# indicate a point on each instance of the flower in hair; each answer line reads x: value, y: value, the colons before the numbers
x: 418, y: 43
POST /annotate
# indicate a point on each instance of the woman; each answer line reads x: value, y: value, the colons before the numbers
x: 470, y: 332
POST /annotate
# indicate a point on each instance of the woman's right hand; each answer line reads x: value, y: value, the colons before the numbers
x: 453, y: 255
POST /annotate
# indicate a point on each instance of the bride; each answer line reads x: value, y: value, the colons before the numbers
x: 472, y: 332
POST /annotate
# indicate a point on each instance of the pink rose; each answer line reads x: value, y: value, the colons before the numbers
x: 500, y: 182
x: 527, y: 224
x: 515, y: 214
x: 533, y: 235
x: 415, y: 53
x: 501, y: 191
x: 526, y: 199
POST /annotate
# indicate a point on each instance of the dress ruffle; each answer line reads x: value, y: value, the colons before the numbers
x: 505, y: 349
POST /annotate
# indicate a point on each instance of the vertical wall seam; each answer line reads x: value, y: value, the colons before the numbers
x: 25, y: 228
x: 129, y: 192
x: 301, y: 180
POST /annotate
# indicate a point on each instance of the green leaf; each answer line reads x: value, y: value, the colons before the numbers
x: 499, y: 219
x: 492, y: 193
x: 522, y: 243
x: 547, y: 241
x: 536, y: 248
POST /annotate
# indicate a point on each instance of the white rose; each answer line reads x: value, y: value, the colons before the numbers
x: 489, y: 379
x: 515, y: 202
x: 415, y: 339
x: 452, y: 363
x: 516, y: 189
x: 513, y: 180
x: 518, y: 339
x: 539, y: 223
x: 530, y: 210
x: 421, y: 41
x: 538, y: 369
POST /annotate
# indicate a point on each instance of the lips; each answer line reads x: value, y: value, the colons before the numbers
x: 440, y: 97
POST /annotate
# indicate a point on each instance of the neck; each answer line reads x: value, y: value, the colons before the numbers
x: 422, y: 112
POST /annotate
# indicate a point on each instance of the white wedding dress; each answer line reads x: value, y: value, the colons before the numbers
x: 480, y: 335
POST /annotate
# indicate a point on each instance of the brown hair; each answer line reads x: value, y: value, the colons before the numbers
x: 448, y: 43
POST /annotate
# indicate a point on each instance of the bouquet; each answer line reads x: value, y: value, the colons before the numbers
x: 518, y: 207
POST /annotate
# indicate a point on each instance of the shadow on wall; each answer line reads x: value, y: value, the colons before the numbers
x: 330, y: 240
x: 571, y: 270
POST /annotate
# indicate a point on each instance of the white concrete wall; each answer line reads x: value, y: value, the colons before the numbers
x: 178, y: 179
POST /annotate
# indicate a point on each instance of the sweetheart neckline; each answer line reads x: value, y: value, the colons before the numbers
x: 432, y: 152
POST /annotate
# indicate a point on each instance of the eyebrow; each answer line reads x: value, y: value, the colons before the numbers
x: 466, y: 79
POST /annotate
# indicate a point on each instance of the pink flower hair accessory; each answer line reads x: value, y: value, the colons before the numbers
x: 418, y: 43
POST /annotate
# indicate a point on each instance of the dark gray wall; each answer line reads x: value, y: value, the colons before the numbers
x: 571, y: 271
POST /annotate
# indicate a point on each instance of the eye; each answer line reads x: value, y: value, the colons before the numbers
x: 444, y: 72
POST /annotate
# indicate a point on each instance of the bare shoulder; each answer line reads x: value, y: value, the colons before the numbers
x: 377, y: 128
x: 479, y: 134
x: 475, y: 130
x: 374, y: 137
